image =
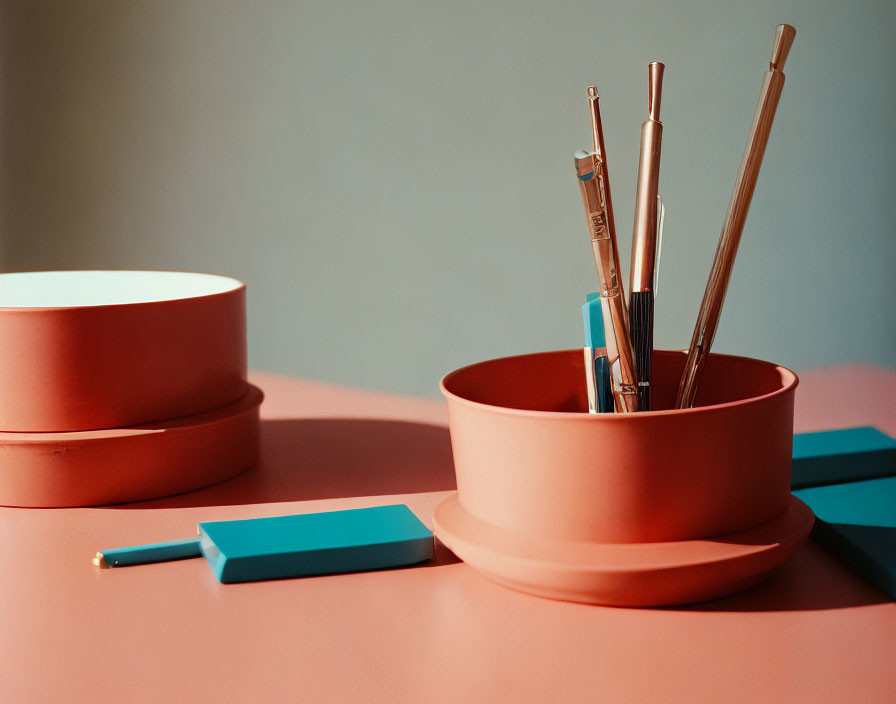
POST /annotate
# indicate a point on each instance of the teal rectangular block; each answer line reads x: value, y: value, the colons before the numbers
x: 315, y: 543
x: 846, y: 455
x: 857, y: 521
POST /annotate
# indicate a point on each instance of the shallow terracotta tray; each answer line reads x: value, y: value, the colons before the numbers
x: 86, y: 350
x: 94, y: 467
x: 623, y: 574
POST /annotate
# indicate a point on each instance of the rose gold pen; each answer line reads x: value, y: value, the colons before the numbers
x: 597, y: 138
x: 591, y: 171
x: 733, y: 225
x: 645, y: 235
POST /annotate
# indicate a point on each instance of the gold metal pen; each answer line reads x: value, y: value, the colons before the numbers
x: 645, y: 235
x: 597, y: 135
x: 735, y: 217
x: 623, y: 377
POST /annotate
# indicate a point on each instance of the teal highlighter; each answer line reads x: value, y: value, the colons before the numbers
x: 597, y: 366
x: 294, y: 546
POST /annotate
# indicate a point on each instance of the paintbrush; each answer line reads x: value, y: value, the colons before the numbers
x: 646, y: 236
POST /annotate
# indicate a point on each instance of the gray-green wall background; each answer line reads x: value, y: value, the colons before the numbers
x: 393, y: 180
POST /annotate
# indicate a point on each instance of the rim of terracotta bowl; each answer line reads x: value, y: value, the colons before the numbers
x: 789, y: 382
x: 239, y: 285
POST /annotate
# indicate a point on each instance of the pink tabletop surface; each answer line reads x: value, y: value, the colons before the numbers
x: 69, y: 632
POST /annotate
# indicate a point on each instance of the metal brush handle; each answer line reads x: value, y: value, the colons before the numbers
x: 735, y: 217
x: 644, y: 229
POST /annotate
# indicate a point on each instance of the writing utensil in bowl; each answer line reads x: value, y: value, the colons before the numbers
x: 597, y: 140
x: 646, y: 235
x: 594, y: 183
x: 623, y: 377
x: 735, y: 217
x: 597, y: 366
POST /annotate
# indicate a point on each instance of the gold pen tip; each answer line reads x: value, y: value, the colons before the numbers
x: 784, y: 36
x: 591, y: 92
x: 100, y: 561
x: 654, y: 89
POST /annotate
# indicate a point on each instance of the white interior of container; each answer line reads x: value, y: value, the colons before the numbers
x: 73, y: 289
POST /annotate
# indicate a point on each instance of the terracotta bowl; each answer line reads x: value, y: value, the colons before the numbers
x: 86, y: 350
x: 538, y: 478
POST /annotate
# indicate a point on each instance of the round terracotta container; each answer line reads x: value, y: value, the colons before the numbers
x: 86, y: 350
x: 94, y: 467
x: 538, y: 478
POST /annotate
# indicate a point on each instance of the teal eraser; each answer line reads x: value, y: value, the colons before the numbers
x: 857, y: 521
x: 594, y: 321
x: 315, y: 543
x: 846, y: 455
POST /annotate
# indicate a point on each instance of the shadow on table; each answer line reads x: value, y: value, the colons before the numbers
x: 306, y: 459
x: 806, y: 582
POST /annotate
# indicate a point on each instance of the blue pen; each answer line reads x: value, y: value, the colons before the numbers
x: 597, y: 366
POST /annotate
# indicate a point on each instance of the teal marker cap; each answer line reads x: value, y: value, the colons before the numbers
x: 594, y: 321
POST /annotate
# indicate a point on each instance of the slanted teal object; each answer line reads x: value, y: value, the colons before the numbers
x: 294, y: 546
x: 857, y: 521
x: 848, y: 478
x: 594, y: 321
x: 835, y: 456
